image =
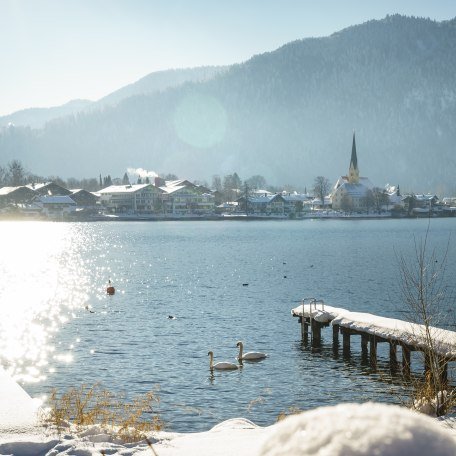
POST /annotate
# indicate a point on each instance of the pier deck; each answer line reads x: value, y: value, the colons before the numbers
x: 314, y: 315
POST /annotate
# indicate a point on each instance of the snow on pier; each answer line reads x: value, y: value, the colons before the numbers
x: 384, y: 329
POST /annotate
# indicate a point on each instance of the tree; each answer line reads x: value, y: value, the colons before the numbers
x: 217, y: 183
x: 3, y: 176
x: 16, y: 173
x: 231, y: 186
x: 368, y: 200
x: 321, y: 188
x: 346, y: 203
x: 424, y: 294
x: 125, y: 179
x: 257, y: 182
x: 107, y: 181
x: 380, y: 198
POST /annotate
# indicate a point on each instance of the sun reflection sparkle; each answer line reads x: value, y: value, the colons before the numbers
x: 42, y: 281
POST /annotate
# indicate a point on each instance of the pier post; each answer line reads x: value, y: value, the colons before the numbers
x: 373, y: 350
x: 364, y: 351
x: 304, y: 327
x: 346, y: 341
x: 405, y: 359
x: 316, y: 332
x: 335, y: 335
x: 393, y: 352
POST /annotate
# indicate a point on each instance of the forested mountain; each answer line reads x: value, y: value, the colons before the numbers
x: 153, y: 82
x: 37, y: 117
x: 287, y: 115
x: 159, y: 81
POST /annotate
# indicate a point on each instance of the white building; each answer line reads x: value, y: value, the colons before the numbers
x: 181, y: 197
x: 350, y: 191
x: 136, y: 198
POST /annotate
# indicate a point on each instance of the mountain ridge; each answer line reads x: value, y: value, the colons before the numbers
x: 287, y: 114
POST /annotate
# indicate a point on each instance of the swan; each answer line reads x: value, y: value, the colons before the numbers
x: 249, y: 355
x: 222, y: 365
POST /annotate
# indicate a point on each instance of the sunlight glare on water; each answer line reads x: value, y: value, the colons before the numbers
x: 39, y: 266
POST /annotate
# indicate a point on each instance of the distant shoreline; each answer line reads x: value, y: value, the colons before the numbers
x: 216, y: 218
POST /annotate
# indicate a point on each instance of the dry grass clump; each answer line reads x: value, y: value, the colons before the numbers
x: 85, y: 406
x: 291, y: 411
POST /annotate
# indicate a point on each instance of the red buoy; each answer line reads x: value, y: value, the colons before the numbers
x: 110, y: 290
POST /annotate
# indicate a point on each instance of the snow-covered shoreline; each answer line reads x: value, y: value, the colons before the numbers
x: 343, y: 429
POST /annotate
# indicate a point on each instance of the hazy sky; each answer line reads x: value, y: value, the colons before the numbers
x: 53, y: 51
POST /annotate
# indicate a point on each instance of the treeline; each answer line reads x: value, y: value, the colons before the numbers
x: 14, y: 174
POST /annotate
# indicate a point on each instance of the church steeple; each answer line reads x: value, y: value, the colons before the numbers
x: 353, y: 171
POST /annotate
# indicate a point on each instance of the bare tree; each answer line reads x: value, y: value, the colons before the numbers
x: 16, y: 173
x: 321, y: 188
x: 424, y: 293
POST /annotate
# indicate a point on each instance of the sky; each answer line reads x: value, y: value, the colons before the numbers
x: 54, y: 51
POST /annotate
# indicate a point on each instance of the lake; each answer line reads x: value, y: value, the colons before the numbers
x: 59, y: 328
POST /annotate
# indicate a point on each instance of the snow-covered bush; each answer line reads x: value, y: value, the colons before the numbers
x: 368, y: 429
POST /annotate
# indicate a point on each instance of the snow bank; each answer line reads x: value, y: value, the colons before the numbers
x: 18, y: 411
x: 349, y: 429
x: 359, y: 429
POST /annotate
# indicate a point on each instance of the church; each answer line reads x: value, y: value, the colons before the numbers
x: 349, y: 192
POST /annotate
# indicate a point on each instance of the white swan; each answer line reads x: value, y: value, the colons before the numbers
x: 252, y: 356
x: 222, y: 365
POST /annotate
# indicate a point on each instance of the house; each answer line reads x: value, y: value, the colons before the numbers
x: 349, y: 192
x: 16, y: 195
x: 420, y: 205
x: 56, y: 207
x: 49, y: 188
x: 84, y: 199
x: 135, y: 198
x: 181, y: 197
x: 267, y: 204
x: 296, y: 203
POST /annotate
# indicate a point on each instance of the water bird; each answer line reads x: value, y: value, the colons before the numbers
x: 170, y: 317
x: 249, y: 355
x: 223, y: 365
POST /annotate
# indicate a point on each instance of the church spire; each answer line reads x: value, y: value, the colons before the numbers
x: 353, y: 172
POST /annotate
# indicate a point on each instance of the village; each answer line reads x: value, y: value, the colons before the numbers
x: 352, y: 196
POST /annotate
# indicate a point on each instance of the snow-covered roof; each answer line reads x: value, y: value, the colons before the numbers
x: 38, y: 185
x: 343, y: 180
x: 7, y: 190
x: 123, y: 188
x: 172, y: 189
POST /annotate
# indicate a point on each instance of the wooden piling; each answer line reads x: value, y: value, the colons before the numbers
x: 393, y: 352
x: 316, y: 332
x: 373, y: 349
x: 405, y: 359
x: 336, y: 334
x: 345, y: 341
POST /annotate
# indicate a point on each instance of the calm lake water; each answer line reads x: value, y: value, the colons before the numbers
x: 195, y: 271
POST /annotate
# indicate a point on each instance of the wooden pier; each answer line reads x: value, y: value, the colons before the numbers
x: 314, y: 315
